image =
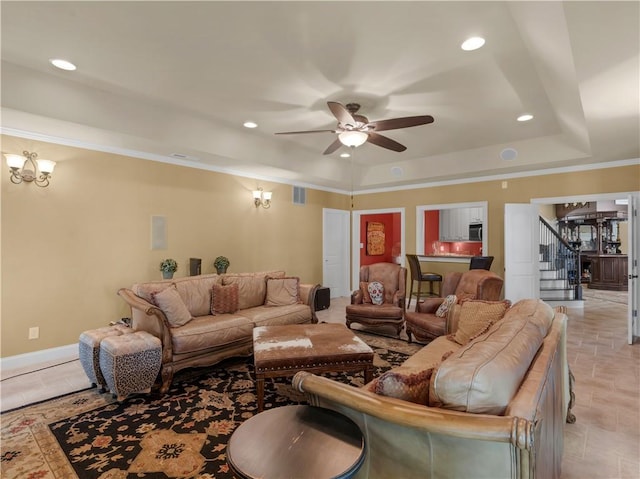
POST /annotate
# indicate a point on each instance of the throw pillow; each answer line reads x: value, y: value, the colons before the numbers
x: 404, y: 383
x: 224, y: 299
x: 171, y: 304
x: 376, y: 291
x: 364, y: 287
x: 282, y: 291
x: 476, y: 317
x: 446, y: 305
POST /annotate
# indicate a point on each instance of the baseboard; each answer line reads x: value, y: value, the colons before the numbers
x: 573, y: 303
x: 28, y: 362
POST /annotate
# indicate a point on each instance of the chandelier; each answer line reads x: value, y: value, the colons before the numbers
x: 26, y: 168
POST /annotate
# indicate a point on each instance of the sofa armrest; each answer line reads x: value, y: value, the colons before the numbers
x: 307, y: 294
x: 399, y: 299
x: 356, y: 297
x: 428, y: 305
x: 324, y: 391
x: 149, y: 318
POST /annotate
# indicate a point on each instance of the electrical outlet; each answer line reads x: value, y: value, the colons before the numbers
x: 505, y: 185
x: 34, y: 333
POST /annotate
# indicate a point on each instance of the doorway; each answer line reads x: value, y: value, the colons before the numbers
x: 633, y: 291
x: 393, y: 248
x: 335, y: 252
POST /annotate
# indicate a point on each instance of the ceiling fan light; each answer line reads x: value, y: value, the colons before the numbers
x: 353, y: 138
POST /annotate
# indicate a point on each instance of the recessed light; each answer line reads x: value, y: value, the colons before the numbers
x: 62, y: 64
x: 397, y: 171
x: 509, y: 154
x: 344, y: 155
x: 525, y: 117
x: 472, y: 43
x: 250, y: 124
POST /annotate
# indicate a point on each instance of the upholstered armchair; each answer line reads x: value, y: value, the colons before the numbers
x: 393, y: 278
x: 473, y: 284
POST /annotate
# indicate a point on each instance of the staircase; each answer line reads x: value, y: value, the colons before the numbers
x: 559, y: 269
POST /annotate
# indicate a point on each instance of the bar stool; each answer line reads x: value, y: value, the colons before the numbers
x: 420, y: 277
x: 481, y: 262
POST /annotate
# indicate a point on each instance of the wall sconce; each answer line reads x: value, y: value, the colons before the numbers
x: 25, y: 168
x: 262, y: 198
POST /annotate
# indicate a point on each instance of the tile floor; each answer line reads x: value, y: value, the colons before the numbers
x: 604, y: 443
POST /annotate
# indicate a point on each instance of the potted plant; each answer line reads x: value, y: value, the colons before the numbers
x: 168, y: 267
x: 221, y: 263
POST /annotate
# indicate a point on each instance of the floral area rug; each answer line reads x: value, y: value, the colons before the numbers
x: 182, y: 434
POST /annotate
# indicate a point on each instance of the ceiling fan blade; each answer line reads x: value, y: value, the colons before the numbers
x: 405, y: 122
x: 333, y: 147
x: 299, y: 132
x: 341, y: 113
x: 385, y: 142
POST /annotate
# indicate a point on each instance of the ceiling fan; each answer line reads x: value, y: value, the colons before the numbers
x: 354, y: 130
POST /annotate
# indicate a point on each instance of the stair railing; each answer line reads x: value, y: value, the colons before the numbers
x: 562, y: 256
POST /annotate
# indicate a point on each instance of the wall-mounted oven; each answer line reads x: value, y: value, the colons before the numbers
x: 475, y: 232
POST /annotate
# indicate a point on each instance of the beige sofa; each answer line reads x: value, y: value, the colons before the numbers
x: 494, y: 408
x: 179, y: 313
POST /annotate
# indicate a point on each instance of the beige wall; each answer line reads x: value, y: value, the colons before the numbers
x: 66, y: 249
x: 519, y: 190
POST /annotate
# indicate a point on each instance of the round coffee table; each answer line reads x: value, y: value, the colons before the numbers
x: 296, y: 441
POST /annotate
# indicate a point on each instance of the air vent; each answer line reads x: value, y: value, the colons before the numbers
x: 299, y: 195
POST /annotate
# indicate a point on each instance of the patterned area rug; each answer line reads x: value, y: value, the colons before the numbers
x: 182, y: 434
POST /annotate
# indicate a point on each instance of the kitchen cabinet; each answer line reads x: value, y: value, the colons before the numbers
x: 454, y: 223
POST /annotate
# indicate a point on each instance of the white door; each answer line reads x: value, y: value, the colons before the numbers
x: 521, y: 252
x: 633, y: 256
x: 335, y: 252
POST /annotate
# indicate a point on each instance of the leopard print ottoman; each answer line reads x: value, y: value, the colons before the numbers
x: 89, y: 351
x: 130, y: 363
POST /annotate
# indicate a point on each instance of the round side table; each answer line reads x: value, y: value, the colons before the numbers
x: 296, y: 441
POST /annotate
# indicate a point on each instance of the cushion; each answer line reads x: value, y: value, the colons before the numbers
x: 282, y: 291
x: 476, y: 317
x: 446, y: 305
x: 195, y: 291
x: 404, y: 383
x: 224, y: 299
x: 171, y: 304
x: 364, y: 287
x: 252, y: 289
x: 484, y: 375
x: 376, y: 291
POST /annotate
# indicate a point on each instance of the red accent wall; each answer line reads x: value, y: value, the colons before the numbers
x: 433, y: 245
x: 431, y: 231
x: 392, y: 235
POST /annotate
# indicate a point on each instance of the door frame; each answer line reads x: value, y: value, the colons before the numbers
x: 355, y: 239
x: 344, y: 241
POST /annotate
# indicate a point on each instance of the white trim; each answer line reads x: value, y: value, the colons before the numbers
x: 29, y: 362
x: 192, y: 164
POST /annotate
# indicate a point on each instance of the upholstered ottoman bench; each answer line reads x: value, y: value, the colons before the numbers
x: 130, y: 363
x: 89, y: 351
x: 284, y: 350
